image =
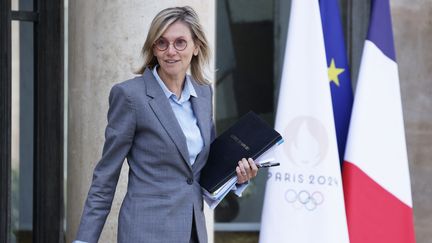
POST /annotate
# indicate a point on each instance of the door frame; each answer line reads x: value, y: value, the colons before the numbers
x: 48, y: 204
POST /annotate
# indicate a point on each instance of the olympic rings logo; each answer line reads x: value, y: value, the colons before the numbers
x: 308, y: 200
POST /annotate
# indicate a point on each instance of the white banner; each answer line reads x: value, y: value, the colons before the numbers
x: 304, y: 197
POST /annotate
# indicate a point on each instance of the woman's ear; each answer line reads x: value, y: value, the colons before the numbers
x: 196, y: 51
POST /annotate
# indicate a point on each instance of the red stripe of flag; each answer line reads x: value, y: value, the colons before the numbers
x: 374, y: 215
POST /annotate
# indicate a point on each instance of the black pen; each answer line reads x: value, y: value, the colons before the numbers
x: 268, y: 164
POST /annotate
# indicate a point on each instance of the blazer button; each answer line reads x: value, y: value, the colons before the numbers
x: 189, y: 181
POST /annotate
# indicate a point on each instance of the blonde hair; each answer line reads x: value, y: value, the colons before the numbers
x: 161, y: 22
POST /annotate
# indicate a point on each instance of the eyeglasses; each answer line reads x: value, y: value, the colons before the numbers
x: 179, y: 44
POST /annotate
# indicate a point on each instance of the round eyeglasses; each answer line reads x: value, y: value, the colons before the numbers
x: 179, y: 44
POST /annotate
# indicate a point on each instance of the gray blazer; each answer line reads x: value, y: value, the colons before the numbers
x: 163, y: 196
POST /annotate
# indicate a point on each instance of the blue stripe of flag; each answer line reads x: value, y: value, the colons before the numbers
x: 342, y: 95
x: 380, y: 28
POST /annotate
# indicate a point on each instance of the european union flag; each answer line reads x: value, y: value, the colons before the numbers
x: 338, y: 70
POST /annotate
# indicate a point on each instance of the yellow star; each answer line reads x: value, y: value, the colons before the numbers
x: 334, y: 72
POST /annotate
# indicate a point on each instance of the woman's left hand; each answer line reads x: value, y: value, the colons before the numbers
x: 246, y: 170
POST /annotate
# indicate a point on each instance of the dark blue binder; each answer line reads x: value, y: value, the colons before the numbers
x: 249, y: 137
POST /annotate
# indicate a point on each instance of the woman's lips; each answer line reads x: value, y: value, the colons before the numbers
x: 171, y: 61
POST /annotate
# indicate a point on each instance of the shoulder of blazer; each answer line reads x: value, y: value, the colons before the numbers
x: 133, y: 88
x: 201, y: 89
x: 132, y: 84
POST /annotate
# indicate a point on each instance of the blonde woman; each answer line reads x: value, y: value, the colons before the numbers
x: 161, y: 121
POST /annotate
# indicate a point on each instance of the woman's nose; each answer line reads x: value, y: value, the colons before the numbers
x: 171, y: 50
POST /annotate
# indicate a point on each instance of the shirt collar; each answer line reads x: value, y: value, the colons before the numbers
x: 187, y: 91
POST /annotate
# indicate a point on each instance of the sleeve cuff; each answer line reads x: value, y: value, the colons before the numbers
x: 238, y: 189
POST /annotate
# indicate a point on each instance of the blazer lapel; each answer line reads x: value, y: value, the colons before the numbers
x: 202, y: 110
x: 163, y: 111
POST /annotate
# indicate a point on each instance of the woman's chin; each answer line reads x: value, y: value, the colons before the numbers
x: 173, y: 71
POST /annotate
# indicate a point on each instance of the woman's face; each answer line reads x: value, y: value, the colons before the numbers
x: 175, y: 62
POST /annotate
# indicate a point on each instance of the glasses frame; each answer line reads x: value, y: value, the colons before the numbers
x: 173, y: 43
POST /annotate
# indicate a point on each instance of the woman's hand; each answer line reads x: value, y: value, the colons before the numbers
x: 246, y: 170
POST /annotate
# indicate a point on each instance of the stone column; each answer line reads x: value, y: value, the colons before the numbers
x: 105, y: 39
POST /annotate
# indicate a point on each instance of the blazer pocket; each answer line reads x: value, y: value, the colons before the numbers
x: 148, y: 195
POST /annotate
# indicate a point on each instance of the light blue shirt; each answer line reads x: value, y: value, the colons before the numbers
x: 183, y: 111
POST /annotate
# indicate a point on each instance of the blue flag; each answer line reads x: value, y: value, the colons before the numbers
x: 338, y: 70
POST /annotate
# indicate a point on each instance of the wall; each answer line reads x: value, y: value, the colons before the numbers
x: 412, y: 26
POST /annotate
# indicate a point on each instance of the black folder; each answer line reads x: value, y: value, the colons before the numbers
x: 249, y: 137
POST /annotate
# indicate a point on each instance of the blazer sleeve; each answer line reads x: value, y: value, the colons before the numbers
x: 119, y: 135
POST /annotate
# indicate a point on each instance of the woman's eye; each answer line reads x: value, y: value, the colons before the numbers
x: 161, y: 43
x: 180, y: 43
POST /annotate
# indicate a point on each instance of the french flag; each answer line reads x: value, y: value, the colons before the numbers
x: 375, y: 171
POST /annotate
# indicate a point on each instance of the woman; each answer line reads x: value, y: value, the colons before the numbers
x: 162, y: 123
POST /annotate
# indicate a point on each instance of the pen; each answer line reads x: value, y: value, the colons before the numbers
x: 267, y: 164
